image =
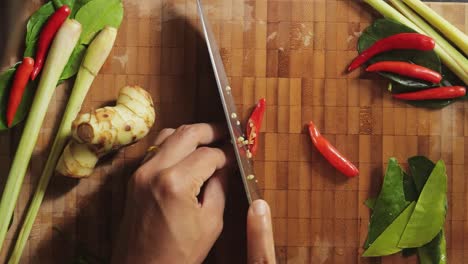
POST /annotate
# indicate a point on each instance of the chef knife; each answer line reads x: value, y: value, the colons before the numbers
x: 229, y: 106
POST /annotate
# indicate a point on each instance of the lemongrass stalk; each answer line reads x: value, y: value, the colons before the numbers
x: 424, y: 26
x: 96, y: 55
x: 62, y: 47
x: 454, y: 63
x: 450, y: 31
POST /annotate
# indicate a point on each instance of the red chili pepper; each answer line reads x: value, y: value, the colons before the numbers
x: 330, y: 153
x: 413, y: 41
x: 449, y: 92
x: 254, y: 124
x: 406, y: 69
x: 17, y: 89
x: 47, y: 35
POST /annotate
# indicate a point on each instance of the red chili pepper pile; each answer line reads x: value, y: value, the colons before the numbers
x: 412, y: 41
x: 30, y: 69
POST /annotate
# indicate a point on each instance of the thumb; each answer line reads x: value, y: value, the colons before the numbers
x: 260, y: 245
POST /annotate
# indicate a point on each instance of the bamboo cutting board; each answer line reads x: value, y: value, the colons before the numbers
x: 294, y: 53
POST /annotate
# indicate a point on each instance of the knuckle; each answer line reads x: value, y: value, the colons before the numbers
x: 166, y: 184
x: 207, y: 151
x: 166, y: 131
x: 188, y: 131
x: 139, y: 179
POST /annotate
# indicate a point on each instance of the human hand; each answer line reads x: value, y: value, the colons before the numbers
x: 168, y: 218
x: 260, y: 245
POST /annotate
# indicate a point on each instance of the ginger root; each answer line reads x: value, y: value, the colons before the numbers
x: 105, y: 130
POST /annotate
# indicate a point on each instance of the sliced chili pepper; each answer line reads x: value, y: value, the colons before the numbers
x: 254, y: 124
x: 17, y: 89
x: 330, y: 153
x: 47, y: 35
x: 406, y: 69
x: 449, y: 92
x: 414, y: 41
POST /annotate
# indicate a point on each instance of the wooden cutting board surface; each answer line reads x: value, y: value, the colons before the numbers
x: 294, y: 53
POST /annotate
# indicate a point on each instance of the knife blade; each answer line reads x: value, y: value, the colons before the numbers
x: 235, y: 130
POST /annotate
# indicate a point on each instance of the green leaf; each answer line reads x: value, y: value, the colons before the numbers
x: 411, y: 194
x: 431, y: 104
x: 421, y: 168
x: 390, y: 202
x: 383, y: 28
x: 97, y: 14
x: 434, y: 252
x: 34, y: 27
x: 386, y: 243
x: 74, y: 63
x: 6, y: 80
x: 78, y: 4
x: 60, y: 3
x: 75, y: 5
x: 429, y: 214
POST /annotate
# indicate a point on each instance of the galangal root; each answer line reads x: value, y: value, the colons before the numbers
x: 105, y: 130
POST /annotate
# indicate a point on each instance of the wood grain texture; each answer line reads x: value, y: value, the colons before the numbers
x: 293, y: 53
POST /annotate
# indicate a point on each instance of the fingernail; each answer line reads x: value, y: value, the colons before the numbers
x: 260, y: 207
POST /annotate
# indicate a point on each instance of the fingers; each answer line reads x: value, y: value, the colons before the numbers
x: 214, y: 196
x: 199, y: 166
x: 163, y: 135
x: 260, y: 245
x: 181, y: 142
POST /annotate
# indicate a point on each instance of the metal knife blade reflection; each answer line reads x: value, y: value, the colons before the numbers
x: 229, y: 106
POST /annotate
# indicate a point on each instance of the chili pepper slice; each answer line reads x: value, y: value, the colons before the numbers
x: 253, y: 126
x: 406, y: 69
x: 47, y: 35
x: 414, y: 41
x: 17, y: 89
x: 330, y: 153
x: 449, y: 92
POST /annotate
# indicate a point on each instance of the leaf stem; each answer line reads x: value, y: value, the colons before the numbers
x: 446, y: 46
x: 61, y: 49
x: 454, y: 62
x: 450, y: 31
x: 95, y: 57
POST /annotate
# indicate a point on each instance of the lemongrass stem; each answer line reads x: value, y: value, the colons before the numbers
x: 97, y: 53
x: 450, y: 31
x: 424, y: 26
x: 62, y: 47
x: 454, y: 63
